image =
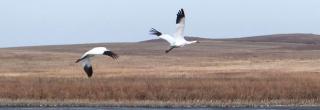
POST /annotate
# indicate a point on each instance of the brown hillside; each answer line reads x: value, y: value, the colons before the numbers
x: 287, y: 38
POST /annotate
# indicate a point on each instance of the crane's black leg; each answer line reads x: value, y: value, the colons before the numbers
x: 167, y: 51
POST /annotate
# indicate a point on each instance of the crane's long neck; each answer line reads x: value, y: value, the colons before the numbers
x: 192, y: 42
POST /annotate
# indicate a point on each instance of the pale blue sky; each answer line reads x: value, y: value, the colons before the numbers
x: 50, y: 22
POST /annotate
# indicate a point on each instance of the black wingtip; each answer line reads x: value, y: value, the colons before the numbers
x: 155, y: 32
x: 180, y: 15
x: 111, y: 54
x: 88, y: 70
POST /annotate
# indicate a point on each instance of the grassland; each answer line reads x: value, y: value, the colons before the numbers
x: 207, y: 74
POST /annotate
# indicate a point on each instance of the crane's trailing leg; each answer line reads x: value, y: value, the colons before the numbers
x: 167, y: 51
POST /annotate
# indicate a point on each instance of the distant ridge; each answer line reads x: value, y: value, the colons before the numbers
x: 187, y: 38
x: 287, y: 38
x: 301, y: 38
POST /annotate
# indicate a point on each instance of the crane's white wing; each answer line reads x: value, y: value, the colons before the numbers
x: 166, y: 37
x: 96, y: 51
x: 179, y: 34
x: 92, y: 52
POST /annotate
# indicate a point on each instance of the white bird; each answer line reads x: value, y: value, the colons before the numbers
x: 86, y: 58
x: 177, y: 40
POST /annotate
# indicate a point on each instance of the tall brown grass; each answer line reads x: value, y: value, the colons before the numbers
x: 274, y: 87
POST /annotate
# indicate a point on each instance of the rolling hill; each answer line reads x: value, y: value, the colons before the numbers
x: 284, y: 38
x: 287, y: 38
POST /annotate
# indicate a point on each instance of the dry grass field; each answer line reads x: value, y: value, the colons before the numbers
x: 212, y: 72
